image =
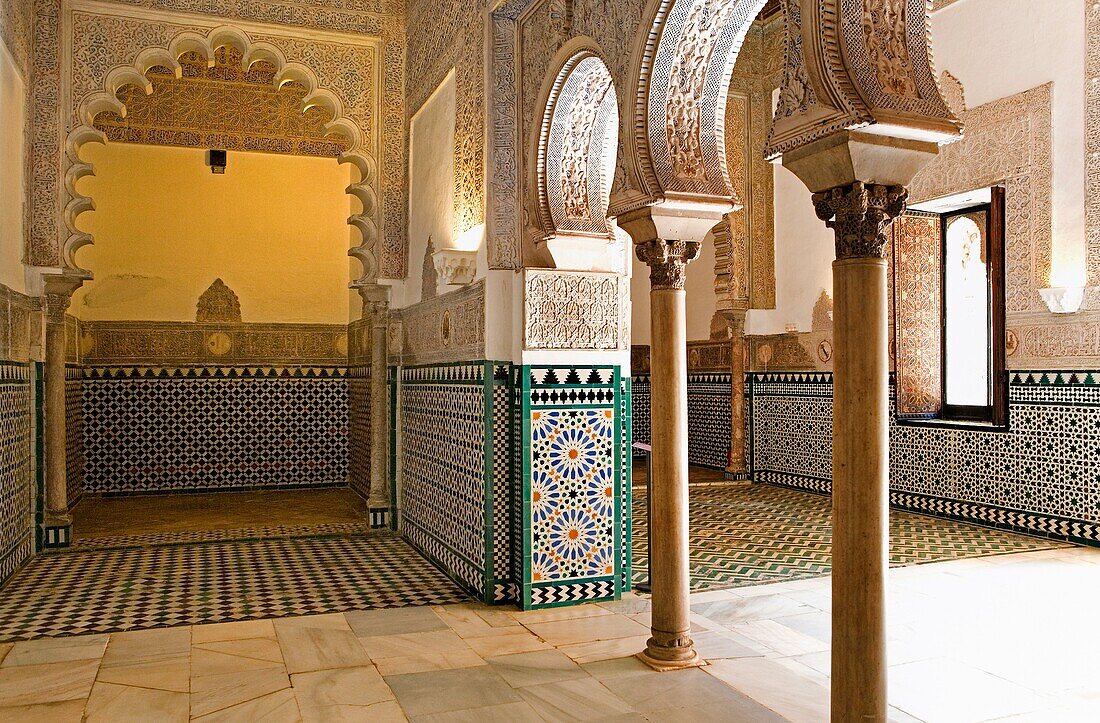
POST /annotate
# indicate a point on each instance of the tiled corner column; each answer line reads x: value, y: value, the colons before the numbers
x: 859, y: 215
x: 574, y: 510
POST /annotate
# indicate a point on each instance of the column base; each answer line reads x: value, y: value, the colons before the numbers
x: 379, y: 517
x: 663, y: 666
x: 662, y: 657
x: 57, y: 532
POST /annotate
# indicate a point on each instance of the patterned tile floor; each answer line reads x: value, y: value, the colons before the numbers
x: 98, y: 591
x: 767, y: 651
x: 240, y: 534
x: 747, y: 534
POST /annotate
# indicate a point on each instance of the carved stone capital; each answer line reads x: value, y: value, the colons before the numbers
x: 376, y: 303
x: 56, y: 305
x: 859, y: 215
x: 667, y: 261
x: 57, y: 295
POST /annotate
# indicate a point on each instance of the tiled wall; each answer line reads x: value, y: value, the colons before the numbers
x: 17, y: 482
x: 1039, y: 477
x: 74, y: 435
x: 185, y: 429
x: 514, y: 478
x: 359, y: 425
x: 709, y: 412
x: 450, y: 416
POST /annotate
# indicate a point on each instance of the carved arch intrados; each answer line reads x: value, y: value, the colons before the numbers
x: 106, y: 100
x: 680, y: 76
x: 574, y: 151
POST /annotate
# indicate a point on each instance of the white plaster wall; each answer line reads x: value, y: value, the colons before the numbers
x: 701, y: 301
x: 431, y: 185
x: 804, y: 252
x: 639, y: 301
x: 12, y: 190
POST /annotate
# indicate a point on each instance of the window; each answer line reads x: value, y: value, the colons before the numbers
x: 949, y: 307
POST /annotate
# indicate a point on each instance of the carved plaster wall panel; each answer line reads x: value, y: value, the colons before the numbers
x: 17, y: 31
x: 574, y: 310
x: 1007, y: 140
x: 218, y: 303
x: 450, y: 327
x: 20, y: 325
x: 383, y: 22
x: 223, y: 344
x: 1092, y: 143
x: 745, y: 249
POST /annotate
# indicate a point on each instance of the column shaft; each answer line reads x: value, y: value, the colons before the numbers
x: 380, y: 423
x: 668, y: 506
x: 57, y: 503
x: 860, y: 490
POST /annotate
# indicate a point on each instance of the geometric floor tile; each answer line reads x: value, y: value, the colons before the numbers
x: 326, y: 529
x: 98, y: 591
x: 748, y: 534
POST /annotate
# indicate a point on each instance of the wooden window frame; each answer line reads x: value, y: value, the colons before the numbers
x: 993, y: 416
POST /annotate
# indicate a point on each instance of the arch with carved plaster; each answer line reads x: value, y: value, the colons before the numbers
x: 356, y: 150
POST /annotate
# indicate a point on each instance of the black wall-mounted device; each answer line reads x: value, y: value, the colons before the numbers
x: 216, y: 160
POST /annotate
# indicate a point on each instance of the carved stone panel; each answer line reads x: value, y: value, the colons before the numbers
x: 574, y: 310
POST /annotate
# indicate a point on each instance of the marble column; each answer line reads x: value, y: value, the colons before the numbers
x: 670, y: 645
x: 738, y: 467
x: 860, y: 215
x: 58, y: 521
x: 376, y: 308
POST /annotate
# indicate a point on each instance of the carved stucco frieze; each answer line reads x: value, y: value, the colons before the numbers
x: 106, y: 343
x: 859, y: 216
x: 667, y: 261
x: 450, y: 327
x: 574, y: 310
x: 1007, y: 141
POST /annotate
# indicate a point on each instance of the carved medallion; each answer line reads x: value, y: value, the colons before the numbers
x: 825, y: 350
x: 218, y: 343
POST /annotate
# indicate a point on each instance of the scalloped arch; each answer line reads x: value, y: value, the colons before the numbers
x: 357, y: 154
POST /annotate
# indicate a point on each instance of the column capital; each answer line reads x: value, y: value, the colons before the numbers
x: 57, y: 293
x: 859, y: 214
x: 667, y: 261
x: 376, y: 303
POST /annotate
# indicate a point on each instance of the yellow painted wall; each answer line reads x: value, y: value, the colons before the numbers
x: 273, y: 228
x: 12, y: 193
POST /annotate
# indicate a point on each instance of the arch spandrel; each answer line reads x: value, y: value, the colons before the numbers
x: 358, y: 151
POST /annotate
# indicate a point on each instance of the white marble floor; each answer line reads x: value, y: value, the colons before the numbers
x: 1008, y: 638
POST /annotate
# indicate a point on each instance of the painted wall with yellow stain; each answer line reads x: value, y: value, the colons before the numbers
x: 273, y: 228
x: 12, y: 169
